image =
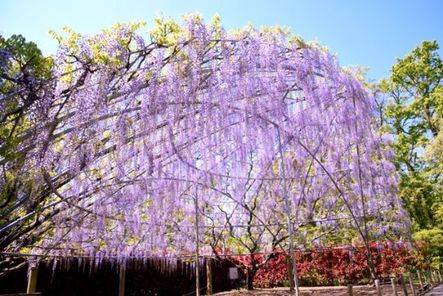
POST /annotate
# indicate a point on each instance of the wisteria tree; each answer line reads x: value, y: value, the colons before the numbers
x: 149, y: 146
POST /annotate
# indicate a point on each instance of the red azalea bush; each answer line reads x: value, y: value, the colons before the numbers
x: 337, y: 266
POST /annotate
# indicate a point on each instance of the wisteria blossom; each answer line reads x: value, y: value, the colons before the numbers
x: 133, y: 133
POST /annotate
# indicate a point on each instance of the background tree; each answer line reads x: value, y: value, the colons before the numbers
x: 414, y: 115
x: 24, y: 81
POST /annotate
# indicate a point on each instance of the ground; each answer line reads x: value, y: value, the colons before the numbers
x: 437, y: 291
x: 319, y: 291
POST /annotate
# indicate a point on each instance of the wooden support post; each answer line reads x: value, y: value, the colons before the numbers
x: 378, y: 287
x: 350, y: 290
x: 403, y: 285
x: 411, y: 283
x: 121, y: 280
x: 394, y: 287
x: 209, y: 276
x: 288, y: 217
x: 32, y: 278
x: 419, y: 279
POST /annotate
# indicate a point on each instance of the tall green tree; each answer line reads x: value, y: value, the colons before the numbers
x: 24, y: 77
x: 24, y: 72
x: 414, y: 115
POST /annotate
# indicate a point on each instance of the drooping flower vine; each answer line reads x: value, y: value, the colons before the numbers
x: 132, y: 133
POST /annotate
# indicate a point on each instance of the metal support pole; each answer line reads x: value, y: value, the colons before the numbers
x: 288, y: 215
x: 197, y: 246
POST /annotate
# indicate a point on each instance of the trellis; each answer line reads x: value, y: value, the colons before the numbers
x: 139, y: 144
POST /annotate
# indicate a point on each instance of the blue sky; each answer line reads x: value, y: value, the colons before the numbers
x: 365, y: 33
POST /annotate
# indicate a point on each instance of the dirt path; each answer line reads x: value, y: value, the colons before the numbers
x: 319, y: 291
x: 437, y: 291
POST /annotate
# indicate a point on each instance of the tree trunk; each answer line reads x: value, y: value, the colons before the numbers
x: 290, y: 273
x: 250, y: 274
x: 370, y: 261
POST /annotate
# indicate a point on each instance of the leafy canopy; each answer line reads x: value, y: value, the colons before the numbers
x: 414, y: 114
